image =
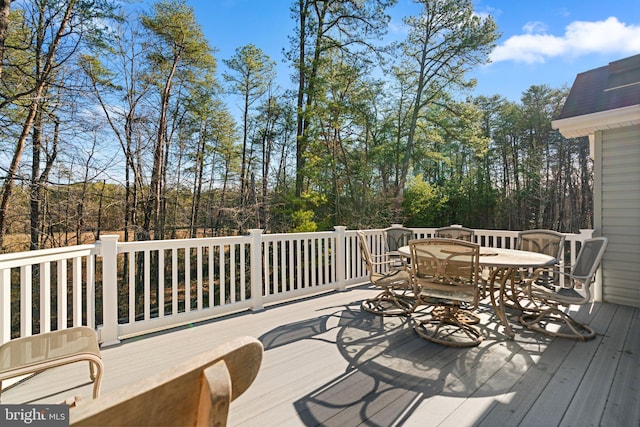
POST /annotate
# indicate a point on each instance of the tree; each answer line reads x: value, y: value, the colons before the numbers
x: 540, y: 104
x: 252, y: 72
x: 115, y: 73
x: 179, y: 46
x: 445, y: 41
x: 325, y: 26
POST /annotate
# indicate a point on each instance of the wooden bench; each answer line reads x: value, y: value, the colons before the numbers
x: 36, y: 353
x: 198, y: 391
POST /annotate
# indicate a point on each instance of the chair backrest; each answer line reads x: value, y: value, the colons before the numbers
x: 453, y: 232
x: 365, y: 252
x: 446, y: 268
x: 197, y: 392
x: 546, y: 242
x: 588, y: 259
x: 396, y: 237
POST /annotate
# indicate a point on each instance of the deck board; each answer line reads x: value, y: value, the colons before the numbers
x: 592, y: 394
x: 326, y: 362
x: 551, y: 404
x: 521, y: 409
x: 622, y: 407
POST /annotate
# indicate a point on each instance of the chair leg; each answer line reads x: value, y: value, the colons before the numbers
x: 540, y: 320
x: 519, y: 299
x: 387, y: 303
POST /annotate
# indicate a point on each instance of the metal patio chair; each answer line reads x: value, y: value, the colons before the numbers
x: 577, y: 291
x: 455, y: 232
x: 546, y: 242
x: 445, y: 274
x: 395, y: 238
x: 395, y: 283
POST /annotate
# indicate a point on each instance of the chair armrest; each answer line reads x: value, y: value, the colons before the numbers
x: 391, y: 263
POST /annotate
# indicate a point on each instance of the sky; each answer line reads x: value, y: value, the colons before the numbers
x: 542, y: 41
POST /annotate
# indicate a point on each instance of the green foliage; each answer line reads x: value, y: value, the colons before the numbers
x: 303, y: 222
x: 424, y: 204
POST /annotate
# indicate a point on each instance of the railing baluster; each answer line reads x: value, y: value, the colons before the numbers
x: 146, y: 297
x: 174, y: 281
x: 307, y: 262
x: 187, y: 279
x: 76, y: 286
x: 274, y: 268
x: 45, y: 296
x: 212, y: 288
x: 199, y: 276
x: 282, y: 266
x: 91, y: 291
x: 232, y: 274
x: 223, y: 278
x: 160, y: 282
x: 243, y: 280
x: 132, y: 286
x: 299, y: 264
x: 26, y: 301
x: 62, y: 293
x: 266, y: 270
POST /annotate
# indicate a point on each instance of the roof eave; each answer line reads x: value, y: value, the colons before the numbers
x: 588, y: 124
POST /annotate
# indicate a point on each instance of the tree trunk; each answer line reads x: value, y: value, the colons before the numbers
x: 5, y: 7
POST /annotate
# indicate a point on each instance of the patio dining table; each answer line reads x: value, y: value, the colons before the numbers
x: 503, y: 264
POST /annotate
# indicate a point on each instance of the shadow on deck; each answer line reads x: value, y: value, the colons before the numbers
x: 395, y: 378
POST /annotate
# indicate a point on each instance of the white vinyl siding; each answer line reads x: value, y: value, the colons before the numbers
x: 617, y: 204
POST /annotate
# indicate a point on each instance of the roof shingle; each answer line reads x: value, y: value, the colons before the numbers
x: 605, y: 88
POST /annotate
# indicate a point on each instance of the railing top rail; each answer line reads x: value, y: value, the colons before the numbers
x: 18, y: 259
x: 297, y: 236
x: 181, y: 243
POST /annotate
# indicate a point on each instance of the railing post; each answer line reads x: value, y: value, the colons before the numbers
x: 340, y: 263
x: 586, y: 234
x: 256, y: 269
x: 109, y: 252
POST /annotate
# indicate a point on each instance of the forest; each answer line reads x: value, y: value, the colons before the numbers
x: 113, y: 119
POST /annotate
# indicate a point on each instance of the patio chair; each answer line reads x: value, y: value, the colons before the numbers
x: 197, y: 392
x: 395, y: 238
x: 455, y: 232
x: 37, y: 353
x: 546, y: 242
x: 395, y: 283
x: 466, y: 234
x: 445, y: 274
x: 577, y: 291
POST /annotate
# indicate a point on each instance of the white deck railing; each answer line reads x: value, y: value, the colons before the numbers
x: 130, y: 288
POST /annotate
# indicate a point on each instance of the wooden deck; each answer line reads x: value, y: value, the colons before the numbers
x: 328, y: 363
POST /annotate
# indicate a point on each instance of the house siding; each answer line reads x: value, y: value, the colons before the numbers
x: 617, y: 205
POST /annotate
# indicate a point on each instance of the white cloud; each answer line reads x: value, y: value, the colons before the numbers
x: 534, y: 27
x: 580, y: 38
